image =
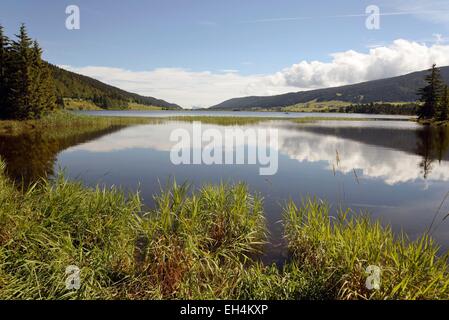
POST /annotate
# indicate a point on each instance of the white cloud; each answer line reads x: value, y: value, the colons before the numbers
x: 390, y: 166
x: 349, y: 67
x: 187, y: 88
x: 203, y: 89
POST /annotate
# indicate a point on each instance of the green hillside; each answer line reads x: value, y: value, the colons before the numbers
x: 392, y: 90
x: 76, y: 89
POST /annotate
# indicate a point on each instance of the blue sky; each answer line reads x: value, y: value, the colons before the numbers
x: 197, y: 39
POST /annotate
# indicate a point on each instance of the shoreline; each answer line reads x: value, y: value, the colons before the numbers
x: 65, y: 120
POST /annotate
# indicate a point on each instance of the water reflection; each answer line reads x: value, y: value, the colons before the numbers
x: 395, y: 152
x: 432, y: 145
x: 32, y: 156
x: 391, y: 154
x: 378, y: 150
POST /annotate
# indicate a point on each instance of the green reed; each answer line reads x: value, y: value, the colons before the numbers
x: 335, y: 251
x: 191, y: 245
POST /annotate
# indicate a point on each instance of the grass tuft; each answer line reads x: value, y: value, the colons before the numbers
x: 189, y: 246
x: 334, y: 253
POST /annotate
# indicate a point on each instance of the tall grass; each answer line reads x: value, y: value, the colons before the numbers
x: 190, y: 246
x: 334, y: 252
x: 65, y: 123
x: 197, y: 246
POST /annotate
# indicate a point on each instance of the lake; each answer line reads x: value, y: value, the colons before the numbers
x: 392, y: 169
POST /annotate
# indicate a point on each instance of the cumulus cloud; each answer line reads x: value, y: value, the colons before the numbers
x: 349, y: 67
x: 201, y: 89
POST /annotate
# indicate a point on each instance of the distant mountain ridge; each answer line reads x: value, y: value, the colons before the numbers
x: 75, y: 86
x: 397, y: 89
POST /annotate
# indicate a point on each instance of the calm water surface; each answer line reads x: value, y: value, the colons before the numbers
x: 395, y: 170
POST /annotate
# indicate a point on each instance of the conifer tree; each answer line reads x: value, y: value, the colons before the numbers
x: 48, y: 84
x: 21, y: 75
x: 4, y: 56
x: 36, y: 102
x: 30, y: 86
x: 431, y: 94
x: 42, y: 94
x: 443, y: 109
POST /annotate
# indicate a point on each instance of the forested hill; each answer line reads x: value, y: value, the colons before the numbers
x: 75, y: 86
x: 397, y: 89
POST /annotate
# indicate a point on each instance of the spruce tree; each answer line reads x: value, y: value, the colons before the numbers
x: 4, y: 91
x: 43, y: 91
x: 49, y: 86
x: 443, y: 110
x: 31, y: 87
x: 21, y: 75
x: 36, y: 103
x: 431, y: 94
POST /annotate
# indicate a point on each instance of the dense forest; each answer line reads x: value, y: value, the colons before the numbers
x: 383, y: 108
x: 27, y: 89
x: 31, y: 87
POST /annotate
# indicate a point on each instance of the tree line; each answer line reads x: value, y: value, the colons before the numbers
x: 435, y: 97
x: 383, y: 108
x: 27, y: 90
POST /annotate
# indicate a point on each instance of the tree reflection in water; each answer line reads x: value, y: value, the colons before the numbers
x: 432, y: 144
x: 32, y: 156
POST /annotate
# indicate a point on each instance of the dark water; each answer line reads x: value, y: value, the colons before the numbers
x: 396, y: 170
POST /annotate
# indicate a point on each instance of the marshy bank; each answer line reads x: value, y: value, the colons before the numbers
x: 63, y: 123
x: 198, y: 245
x: 30, y: 147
